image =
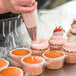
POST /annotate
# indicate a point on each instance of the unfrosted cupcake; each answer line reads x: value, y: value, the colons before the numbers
x: 70, y: 51
x: 17, y: 54
x: 39, y: 46
x: 11, y: 71
x: 58, y: 31
x: 56, y: 42
x: 33, y: 65
x: 54, y: 59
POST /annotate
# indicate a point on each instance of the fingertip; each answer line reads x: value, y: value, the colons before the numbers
x: 34, y: 6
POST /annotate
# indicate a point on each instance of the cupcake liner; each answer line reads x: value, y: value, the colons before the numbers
x: 39, y: 52
x: 70, y: 58
x: 56, y: 47
x: 55, y: 64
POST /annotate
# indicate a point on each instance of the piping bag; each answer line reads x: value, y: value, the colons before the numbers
x: 30, y: 20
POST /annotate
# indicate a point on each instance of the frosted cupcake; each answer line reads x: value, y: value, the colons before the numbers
x: 58, y: 31
x: 70, y: 51
x: 57, y: 42
x: 39, y: 46
x: 54, y: 59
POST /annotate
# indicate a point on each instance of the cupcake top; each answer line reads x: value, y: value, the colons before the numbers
x: 33, y: 60
x: 20, y: 52
x: 53, y: 54
x: 11, y: 71
x: 57, y: 40
x: 58, y: 31
x: 70, y: 47
x: 39, y: 44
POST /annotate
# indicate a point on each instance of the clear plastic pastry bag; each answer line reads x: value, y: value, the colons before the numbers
x: 11, y: 36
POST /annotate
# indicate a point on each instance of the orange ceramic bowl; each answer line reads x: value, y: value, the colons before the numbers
x: 33, y: 65
x: 18, y: 54
x: 11, y: 71
x: 3, y: 64
x: 54, y: 59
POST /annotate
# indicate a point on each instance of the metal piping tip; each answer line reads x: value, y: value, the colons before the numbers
x: 32, y: 33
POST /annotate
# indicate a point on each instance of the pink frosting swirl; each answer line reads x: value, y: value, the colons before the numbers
x: 59, y: 40
x: 71, y: 47
x: 40, y: 44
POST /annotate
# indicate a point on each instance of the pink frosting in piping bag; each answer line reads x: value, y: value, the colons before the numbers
x: 30, y: 19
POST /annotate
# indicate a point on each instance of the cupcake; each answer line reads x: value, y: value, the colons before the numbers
x: 11, y: 71
x: 3, y: 64
x: 33, y: 65
x: 70, y: 51
x: 17, y: 54
x: 57, y: 42
x: 72, y: 31
x: 58, y: 31
x: 39, y: 46
x: 54, y: 59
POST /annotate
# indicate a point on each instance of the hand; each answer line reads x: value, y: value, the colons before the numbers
x: 19, y: 6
